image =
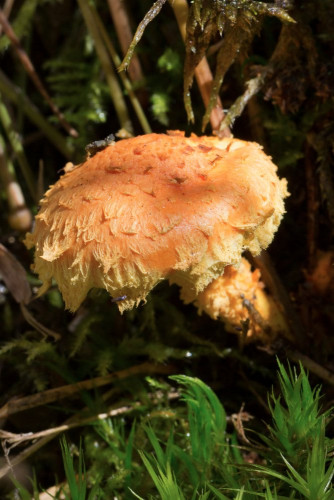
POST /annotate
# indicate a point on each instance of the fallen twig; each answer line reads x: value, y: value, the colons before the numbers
x: 51, y: 395
x: 12, y: 439
x: 75, y: 421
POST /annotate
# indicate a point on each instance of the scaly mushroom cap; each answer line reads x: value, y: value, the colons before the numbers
x: 153, y: 207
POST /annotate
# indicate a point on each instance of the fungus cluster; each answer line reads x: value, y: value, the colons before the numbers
x: 155, y: 207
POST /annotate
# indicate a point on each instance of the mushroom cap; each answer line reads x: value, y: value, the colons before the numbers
x: 153, y: 207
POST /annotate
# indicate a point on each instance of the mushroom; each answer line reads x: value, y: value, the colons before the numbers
x: 155, y: 207
x: 238, y: 297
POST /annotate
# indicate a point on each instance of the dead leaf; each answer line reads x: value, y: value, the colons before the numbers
x: 14, y: 276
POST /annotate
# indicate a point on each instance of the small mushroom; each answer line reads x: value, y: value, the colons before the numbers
x: 238, y: 297
x: 155, y: 207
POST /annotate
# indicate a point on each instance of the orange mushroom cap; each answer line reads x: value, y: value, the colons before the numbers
x: 153, y: 207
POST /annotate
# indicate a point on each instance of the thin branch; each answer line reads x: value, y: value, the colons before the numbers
x: 30, y: 69
x: 125, y: 35
x: 51, y: 395
x: 112, y: 81
x: 151, y: 14
x: 16, y: 95
x: 15, y: 439
x: 126, y: 82
x: 253, y: 86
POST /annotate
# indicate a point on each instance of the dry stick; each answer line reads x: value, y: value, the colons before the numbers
x: 126, y: 82
x: 203, y: 73
x: 78, y: 421
x: 125, y: 35
x: 14, y: 439
x: 112, y: 81
x: 51, y: 395
x: 150, y: 369
x: 16, y: 144
x: 29, y: 67
x: 15, y: 94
